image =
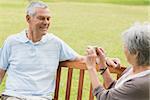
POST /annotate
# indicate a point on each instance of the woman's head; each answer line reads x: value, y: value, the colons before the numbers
x: 137, y: 43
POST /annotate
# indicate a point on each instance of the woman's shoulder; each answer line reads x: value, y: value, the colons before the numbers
x: 142, y: 81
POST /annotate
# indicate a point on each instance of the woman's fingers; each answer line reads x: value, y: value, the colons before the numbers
x: 100, y: 52
x: 91, y: 50
x: 110, y: 63
x: 90, y: 58
x: 116, y: 61
x: 113, y: 62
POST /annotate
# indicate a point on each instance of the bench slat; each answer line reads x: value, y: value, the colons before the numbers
x: 91, y: 97
x: 68, y: 87
x: 57, y: 83
x: 80, y: 86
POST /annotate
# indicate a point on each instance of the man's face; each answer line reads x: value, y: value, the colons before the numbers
x: 39, y: 23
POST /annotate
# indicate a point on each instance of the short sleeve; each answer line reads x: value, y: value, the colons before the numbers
x: 4, y: 55
x: 67, y: 53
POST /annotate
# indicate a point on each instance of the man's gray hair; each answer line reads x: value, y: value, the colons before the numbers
x: 31, y: 8
x: 137, y: 41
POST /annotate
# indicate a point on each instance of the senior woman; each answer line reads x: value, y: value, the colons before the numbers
x: 135, y: 81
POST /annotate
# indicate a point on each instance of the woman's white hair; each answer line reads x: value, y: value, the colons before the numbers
x: 31, y: 8
x: 137, y: 41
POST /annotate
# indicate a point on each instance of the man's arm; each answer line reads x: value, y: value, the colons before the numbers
x: 80, y: 58
x: 2, y: 74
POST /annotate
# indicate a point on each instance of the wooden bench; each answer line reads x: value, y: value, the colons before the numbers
x: 82, y: 67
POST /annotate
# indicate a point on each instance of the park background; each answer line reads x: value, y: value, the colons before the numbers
x: 80, y: 23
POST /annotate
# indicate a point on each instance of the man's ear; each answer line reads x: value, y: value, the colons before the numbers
x: 28, y: 18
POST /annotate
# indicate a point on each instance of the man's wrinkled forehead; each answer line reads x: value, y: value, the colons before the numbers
x: 42, y: 12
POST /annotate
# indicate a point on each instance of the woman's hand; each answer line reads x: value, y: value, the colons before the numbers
x: 113, y: 62
x: 105, y: 61
x: 101, y: 57
x: 91, y: 58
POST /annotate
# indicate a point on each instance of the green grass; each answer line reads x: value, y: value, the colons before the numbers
x: 124, y: 2
x: 79, y: 25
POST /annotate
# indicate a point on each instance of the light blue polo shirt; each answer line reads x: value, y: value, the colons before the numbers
x: 31, y: 67
x: 0, y: 51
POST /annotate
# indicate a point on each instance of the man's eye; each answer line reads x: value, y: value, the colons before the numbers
x: 48, y: 19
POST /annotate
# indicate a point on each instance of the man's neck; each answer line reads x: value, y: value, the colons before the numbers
x: 33, y: 37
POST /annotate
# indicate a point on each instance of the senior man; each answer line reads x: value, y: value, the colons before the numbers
x: 31, y: 58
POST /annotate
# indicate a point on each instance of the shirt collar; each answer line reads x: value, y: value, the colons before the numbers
x: 126, y: 77
x: 23, y: 37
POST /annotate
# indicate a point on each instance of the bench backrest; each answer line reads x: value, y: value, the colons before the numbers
x: 82, y: 67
